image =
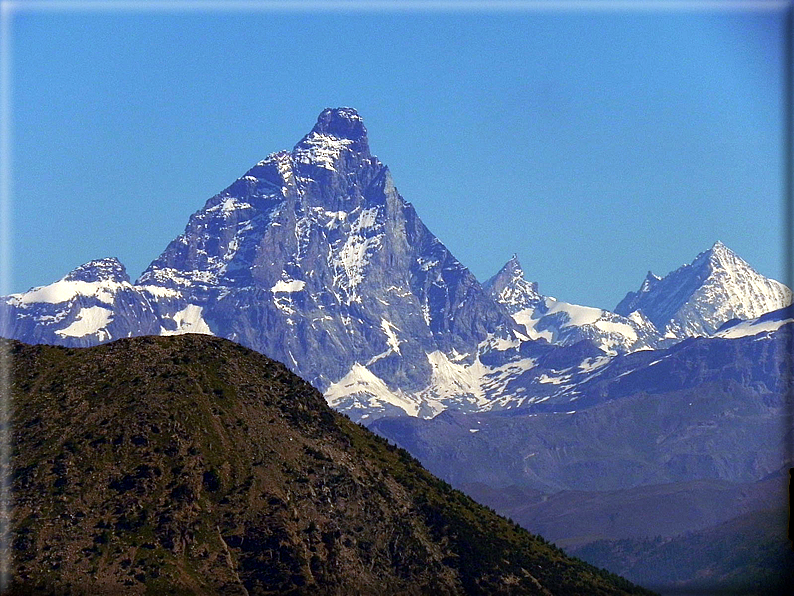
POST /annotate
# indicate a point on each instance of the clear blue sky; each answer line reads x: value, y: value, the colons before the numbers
x: 596, y: 146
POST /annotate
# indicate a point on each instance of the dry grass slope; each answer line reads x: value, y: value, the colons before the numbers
x: 191, y: 465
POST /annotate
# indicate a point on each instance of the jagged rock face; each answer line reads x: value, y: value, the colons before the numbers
x: 561, y: 323
x: 313, y: 258
x: 698, y: 298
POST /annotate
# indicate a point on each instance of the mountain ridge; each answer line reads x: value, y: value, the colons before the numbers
x: 314, y: 258
x: 193, y: 465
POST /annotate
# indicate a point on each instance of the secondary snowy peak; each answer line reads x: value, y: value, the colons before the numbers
x: 109, y: 269
x: 98, y: 280
x: 696, y: 299
x: 511, y: 289
x: 562, y: 323
x: 91, y: 304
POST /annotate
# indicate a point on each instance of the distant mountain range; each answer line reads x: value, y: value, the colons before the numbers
x: 313, y: 258
x: 706, y: 408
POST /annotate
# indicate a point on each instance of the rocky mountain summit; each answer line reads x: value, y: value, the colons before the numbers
x: 192, y: 465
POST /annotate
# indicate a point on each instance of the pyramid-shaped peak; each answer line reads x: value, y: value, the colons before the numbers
x: 108, y: 269
x: 508, y: 274
x: 512, y: 268
x: 719, y: 256
x: 342, y: 123
x: 719, y: 249
x: 509, y: 288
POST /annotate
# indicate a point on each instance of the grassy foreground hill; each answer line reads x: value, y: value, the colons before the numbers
x: 191, y: 465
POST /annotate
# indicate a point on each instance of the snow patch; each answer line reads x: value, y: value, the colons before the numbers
x: 577, y: 315
x: 592, y: 364
x: 89, y: 321
x: 63, y: 291
x: 353, y: 259
x: 229, y: 205
x: 528, y: 318
x: 749, y: 328
x: 499, y: 343
x: 288, y: 286
x: 391, y: 337
x: 622, y: 329
x: 544, y: 378
x: 450, y: 379
x: 160, y: 291
x: 360, y: 381
x: 426, y: 264
x: 321, y: 150
x: 189, y: 320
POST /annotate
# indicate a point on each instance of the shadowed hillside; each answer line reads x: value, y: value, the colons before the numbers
x: 748, y: 555
x: 191, y: 465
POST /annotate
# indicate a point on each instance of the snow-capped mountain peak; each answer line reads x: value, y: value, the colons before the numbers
x: 108, y: 269
x: 696, y: 299
x: 719, y: 257
x: 98, y: 280
x: 93, y: 303
x: 562, y: 323
x: 511, y: 289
